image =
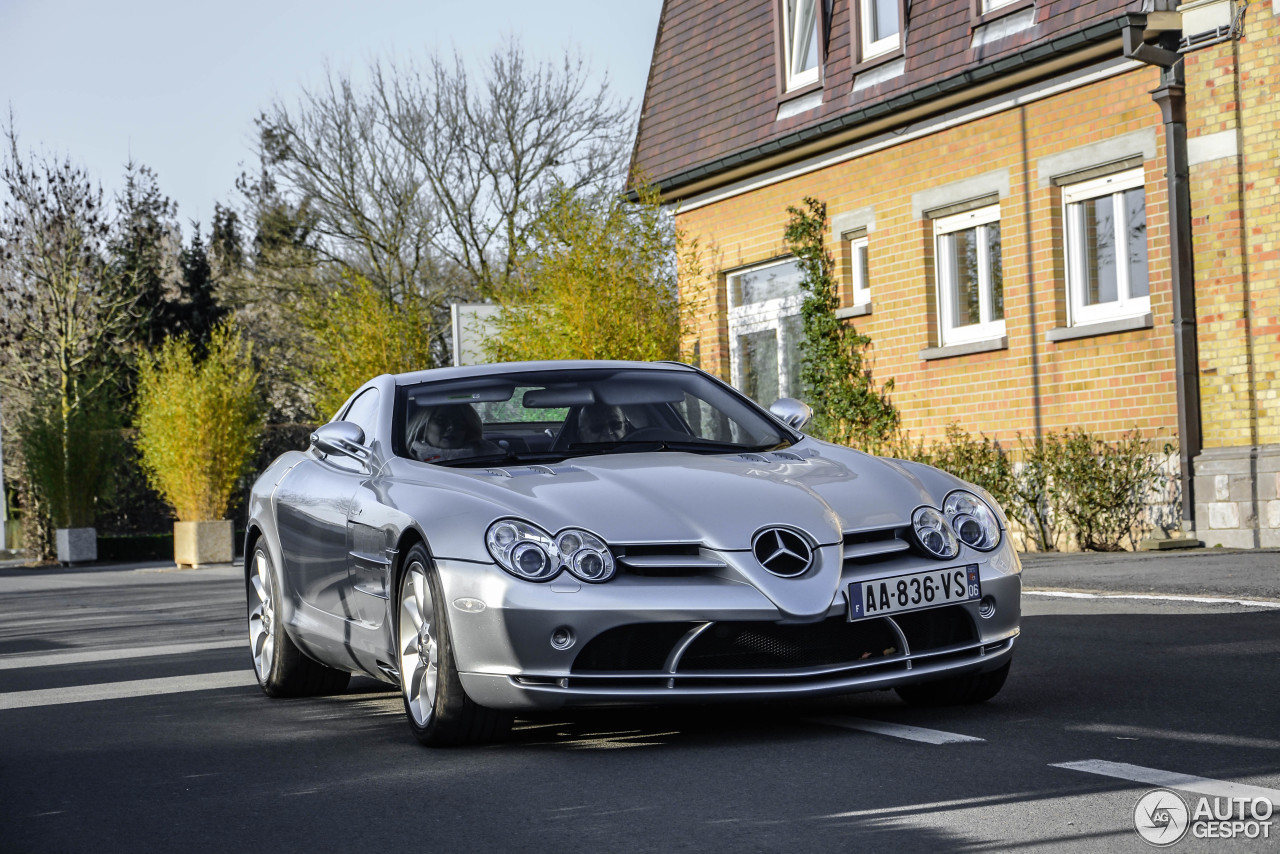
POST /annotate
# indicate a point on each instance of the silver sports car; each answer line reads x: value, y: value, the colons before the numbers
x: 535, y: 535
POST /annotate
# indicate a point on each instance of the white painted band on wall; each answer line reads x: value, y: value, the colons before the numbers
x: 1212, y: 146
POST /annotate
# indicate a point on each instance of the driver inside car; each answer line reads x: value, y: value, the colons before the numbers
x: 449, y: 432
x: 600, y: 422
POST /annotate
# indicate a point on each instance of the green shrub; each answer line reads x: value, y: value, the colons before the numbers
x: 1096, y: 492
x: 67, y: 456
x: 361, y: 332
x: 1101, y: 488
x: 848, y: 407
x: 198, y: 423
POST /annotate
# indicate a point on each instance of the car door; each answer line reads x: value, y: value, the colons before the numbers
x: 368, y: 563
x: 313, y: 507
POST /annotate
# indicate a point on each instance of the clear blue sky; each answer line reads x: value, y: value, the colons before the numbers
x: 176, y: 85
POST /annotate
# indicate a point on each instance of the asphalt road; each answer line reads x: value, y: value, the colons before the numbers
x: 129, y: 721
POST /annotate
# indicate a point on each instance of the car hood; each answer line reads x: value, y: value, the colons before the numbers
x: 719, y: 501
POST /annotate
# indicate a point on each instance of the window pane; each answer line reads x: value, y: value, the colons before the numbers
x: 996, y: 265
x: 802, y: 14
x: 884, y: 18
x: 862, y: 263
x: 792, y: 334
x: 1135, y: 203
x: 1099, y: 273
x: 760, y: 365
x: 780, y: 280
x: 965, y: 295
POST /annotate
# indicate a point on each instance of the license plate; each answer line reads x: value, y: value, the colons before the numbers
x: 884, y: 596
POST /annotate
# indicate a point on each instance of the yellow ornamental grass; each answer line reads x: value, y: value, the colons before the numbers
x: 361, y: 333
x: 598, y: 282
x: 198, y: 423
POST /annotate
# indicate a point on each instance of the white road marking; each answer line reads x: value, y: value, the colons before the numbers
x: 1196, y: 600
x: 910, y: 733
x: 53, y: 659
x: 1170, y: 779
x: 121, y: 690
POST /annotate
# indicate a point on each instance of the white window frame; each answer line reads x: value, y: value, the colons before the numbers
x: 988, y: 328
x: 860, y: 280
x: 873, y: 48
x: 991, y: 5
x: 790, y: 34
x: 1124, y: 305
x: 758, y: 317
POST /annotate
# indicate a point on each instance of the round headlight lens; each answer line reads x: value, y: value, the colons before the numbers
x: 586, y: 555
x: 933, y: 533
x: 973, y: 519
x: 522, y: 549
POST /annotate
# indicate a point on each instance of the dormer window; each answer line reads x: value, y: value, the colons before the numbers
x: 880, y: 27
x: 801, y: 43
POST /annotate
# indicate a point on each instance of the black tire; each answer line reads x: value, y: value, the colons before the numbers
x: 453, y: 718
x: 957, y: 690
x: 282, y: 669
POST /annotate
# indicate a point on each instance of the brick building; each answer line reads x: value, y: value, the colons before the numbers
x: 1033, y: 224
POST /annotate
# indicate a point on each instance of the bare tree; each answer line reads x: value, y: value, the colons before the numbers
x: 64, y: 311
x: 334, y: 154
x: 492, y: 152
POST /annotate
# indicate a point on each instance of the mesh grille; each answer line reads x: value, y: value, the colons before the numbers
x: 769, y: 646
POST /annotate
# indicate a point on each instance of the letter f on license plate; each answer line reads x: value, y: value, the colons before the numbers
x: 884, y: 596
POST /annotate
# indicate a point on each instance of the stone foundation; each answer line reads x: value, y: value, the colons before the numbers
x: 1238, y: 497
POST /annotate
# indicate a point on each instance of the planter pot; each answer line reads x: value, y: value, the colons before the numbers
x: 76, y: 545
x: 202, y: 543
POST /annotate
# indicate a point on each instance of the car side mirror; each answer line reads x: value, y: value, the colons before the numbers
x: 340, y: 437
x: 794, y: 413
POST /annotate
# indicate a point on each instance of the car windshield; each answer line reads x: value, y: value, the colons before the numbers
x: 543, y: 416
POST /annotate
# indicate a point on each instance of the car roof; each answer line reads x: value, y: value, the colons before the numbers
x: 468, y: 371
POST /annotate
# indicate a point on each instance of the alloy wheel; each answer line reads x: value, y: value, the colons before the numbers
x: 419, y: 650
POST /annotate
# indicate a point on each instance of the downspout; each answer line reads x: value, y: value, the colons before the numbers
x: 1171, y: 97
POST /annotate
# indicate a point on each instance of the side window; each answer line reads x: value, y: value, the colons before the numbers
x: 970, y: 276
x: 1106, y: 225
x: 765, y: 330
x: 879, y: 25
x: 364, y: 411
x: 801, y: 43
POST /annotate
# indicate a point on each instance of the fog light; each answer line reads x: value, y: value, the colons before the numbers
x: 562, y: 638
x: 987, y: 607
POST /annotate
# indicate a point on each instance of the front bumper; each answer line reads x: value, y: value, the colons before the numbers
x: 709, y: 637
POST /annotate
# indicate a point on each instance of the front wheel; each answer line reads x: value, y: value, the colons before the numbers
x: 282, y: 669
x: 957, y: 690
x: 439, y: 711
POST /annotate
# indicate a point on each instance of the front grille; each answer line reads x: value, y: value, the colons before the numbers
x: 937, y: 627
x: 644, y: 646
x: 770, y: 646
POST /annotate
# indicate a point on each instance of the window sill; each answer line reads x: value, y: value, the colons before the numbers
x: 799, y: 91
x: 1104, y: 327
x: 853, y: 311
x: 967, y: 349
x: 867, y: 63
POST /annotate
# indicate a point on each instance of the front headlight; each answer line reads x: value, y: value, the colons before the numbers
x: 933, y: 533
x: 522, y: 549
x: 585, y: 555
x: 973, y: 520
x: 528, y: 552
